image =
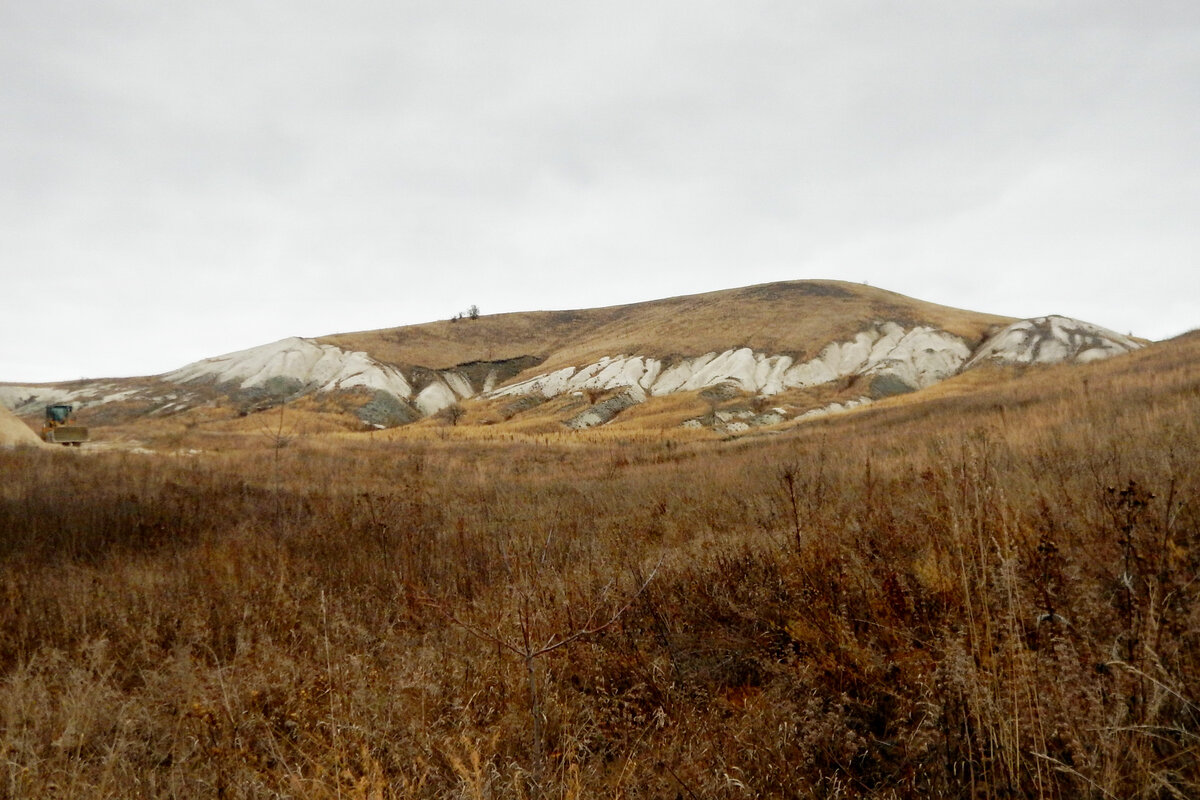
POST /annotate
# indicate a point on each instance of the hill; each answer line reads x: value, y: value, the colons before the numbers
x: 796, y: 318
x: 755, y: 357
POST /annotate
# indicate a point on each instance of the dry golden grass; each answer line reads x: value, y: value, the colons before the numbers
x: 988, y: 594
x: 797, y: 317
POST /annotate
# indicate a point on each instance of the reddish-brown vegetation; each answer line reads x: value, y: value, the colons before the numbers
x: 989, y: 593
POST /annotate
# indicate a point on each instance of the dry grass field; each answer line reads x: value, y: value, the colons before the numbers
x: 985, y: 591
x: 772, y: 318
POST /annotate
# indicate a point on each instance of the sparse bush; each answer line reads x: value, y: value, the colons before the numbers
x: 452, y: 413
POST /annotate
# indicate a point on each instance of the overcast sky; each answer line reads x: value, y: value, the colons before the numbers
x: 180, y: 180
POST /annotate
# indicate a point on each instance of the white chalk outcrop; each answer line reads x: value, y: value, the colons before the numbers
x: 894, y: 358
x: 310, y: 365
x: 836, y: 408
x: 891, y: 357
x: 434, y: 397
x: 23, y: 399
x: 1051, y: 340
x: 323, y: 366
x: 918, y: 357
x: 31, y: 399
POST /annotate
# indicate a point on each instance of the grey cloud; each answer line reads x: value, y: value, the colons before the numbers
x: 436, y: 152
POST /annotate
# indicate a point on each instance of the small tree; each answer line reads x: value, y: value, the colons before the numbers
x: 473, y: 312
x: 453, y: 413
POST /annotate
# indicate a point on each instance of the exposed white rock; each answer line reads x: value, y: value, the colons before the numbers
x: 733, y: 366
x: 918, y: 357
x: 906, y: 359
x: 835, y: 408
x: 675, y: 376
x: 1051, y: 340
x: 548, y: 385
x: 605, y: 411
x: 608, y: 373
x: 29, y: 399
x: 23, y: 399
x: 321, y: 365
x: 459, y: 383
x: 445, y: 391
x: 770, y: 373
x: 921, y: 357
x: 434, y: 397
x: 624, y: 372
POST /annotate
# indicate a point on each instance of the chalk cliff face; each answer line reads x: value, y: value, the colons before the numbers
x: 320, y: 366
x: 868, y: 344
x: 285, y: 369
x: 310, y: 366
x: 893, y: 358
x: 1051, y: 340
x: 917, y: 358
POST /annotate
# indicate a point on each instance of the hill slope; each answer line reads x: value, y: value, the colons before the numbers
x: 808, y: 346
x: 796, y: 318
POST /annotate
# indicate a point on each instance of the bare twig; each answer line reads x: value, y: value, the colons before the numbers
x: 529, y: 651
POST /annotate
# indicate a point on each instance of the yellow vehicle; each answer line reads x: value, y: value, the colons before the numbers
x: 60, y: 426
